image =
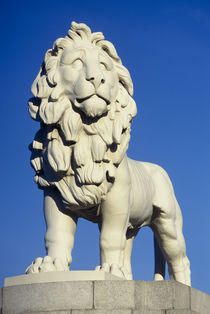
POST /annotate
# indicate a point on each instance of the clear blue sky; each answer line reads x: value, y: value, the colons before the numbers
x: 166, y: 47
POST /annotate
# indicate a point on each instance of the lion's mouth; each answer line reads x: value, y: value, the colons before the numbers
x: 93, y: 106
x: 81, y: 100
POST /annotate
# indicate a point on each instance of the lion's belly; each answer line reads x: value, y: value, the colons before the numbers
x: 142, y: 190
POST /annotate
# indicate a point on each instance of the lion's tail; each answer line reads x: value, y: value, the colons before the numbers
x: 160, y: 262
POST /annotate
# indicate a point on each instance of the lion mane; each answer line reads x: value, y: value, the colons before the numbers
x: 71, y: 152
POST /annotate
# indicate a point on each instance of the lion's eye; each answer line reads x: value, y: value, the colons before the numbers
x: 103, y: 66
x: 77, y: 64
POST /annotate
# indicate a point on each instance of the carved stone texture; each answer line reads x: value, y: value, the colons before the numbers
x: 83, y: 101
x: 104, y: 297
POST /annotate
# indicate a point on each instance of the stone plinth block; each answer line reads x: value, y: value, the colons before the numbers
x: 53, y: 296
x: 200, y: 302
x: 100, y: 296
x: 59, y: 276
x: 114, y: 294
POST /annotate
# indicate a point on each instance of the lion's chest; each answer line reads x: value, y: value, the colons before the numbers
x: 90, y: 213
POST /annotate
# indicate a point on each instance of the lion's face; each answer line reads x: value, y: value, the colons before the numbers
x: 83, y: 101
x: 88, y: 77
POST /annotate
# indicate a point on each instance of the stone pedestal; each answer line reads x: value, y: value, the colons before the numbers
x: 101, y: 295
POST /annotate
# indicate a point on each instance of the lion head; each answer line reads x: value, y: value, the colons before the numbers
x: 84, y: 105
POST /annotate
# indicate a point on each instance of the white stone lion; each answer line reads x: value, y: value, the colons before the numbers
x: 84, y: 105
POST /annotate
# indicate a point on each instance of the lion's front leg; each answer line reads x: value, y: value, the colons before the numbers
x: 115, y: 215
x: 59, y: 238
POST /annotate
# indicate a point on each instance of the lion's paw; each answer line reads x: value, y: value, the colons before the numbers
x: 46, y: 264
x: 116, y: 270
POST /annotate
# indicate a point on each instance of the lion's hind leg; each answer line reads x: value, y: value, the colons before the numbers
x: 167, y: 226
x: 171, y: 241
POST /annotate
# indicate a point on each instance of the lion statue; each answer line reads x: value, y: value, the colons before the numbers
x: 83, y: 101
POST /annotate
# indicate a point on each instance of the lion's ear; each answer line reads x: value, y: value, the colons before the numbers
x: 109, y: 49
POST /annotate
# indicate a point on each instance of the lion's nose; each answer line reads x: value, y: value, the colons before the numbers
x: 96, y: 80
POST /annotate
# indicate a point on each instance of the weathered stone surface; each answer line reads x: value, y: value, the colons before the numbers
x: 159, y: 295
x: 102, y: 311
x: 140, y: 295
x: 200, y: 301
x: 167, y: 295
x: 52, y: 312
x: 156, y: 311
x: 179, y: 311
x: 114, y: 295
x: 181, y: 296
x: 149, y: 312
x: 17, y: 299
x: 48, y: 297
x: 105, y: 297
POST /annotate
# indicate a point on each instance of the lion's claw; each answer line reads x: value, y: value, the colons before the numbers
x: 115, y: 269
x: 46, y: 264
x: 34, y: 267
